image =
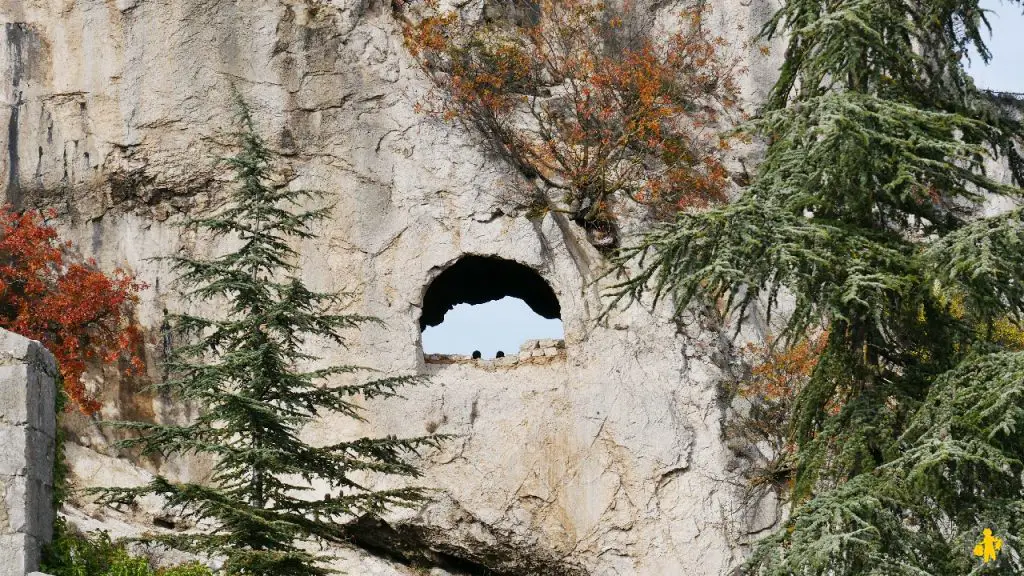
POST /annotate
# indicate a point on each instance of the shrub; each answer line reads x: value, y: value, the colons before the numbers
x: 585, y: 99
x: 81, y: 314
x: 74, y: 554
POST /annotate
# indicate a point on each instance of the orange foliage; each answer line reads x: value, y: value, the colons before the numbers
x: 79, y: 313
x: 776, y: 378
x: 780, y: 374
x: 589, y: 104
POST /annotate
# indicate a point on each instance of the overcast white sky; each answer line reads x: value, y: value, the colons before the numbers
x: 1006, y: 71
x: 506, y: 323
x: 500, y: 325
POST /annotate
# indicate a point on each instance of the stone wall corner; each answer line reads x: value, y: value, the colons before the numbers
x: 28, y: 426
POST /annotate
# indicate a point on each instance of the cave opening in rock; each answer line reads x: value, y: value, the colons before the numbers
x: 488, y: 305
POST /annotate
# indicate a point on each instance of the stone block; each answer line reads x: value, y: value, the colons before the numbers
x: 27, y: 431
x: 14, y: 401
x: 29, y: 507
x: 14, y: 348
x: 12, y: 450
x: 528, y: 345
x: 551, y: 351
x: 14, y: 505
x: 25, y: 451
x: 29, y: 391
x: 19, y: 554
x: 547, y: 343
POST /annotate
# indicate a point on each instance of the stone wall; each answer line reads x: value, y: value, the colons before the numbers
x: 530, y: 352
x: 27, y: 440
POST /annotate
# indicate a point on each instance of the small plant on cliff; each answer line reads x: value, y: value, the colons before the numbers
x: 75, y: 554
x: 582, y: 97
x: 778, y: 372
x: 78, y: 312
x: 243, y: 367
x: 909, y: 431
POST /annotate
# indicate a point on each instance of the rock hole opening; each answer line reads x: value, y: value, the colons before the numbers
x: 485, y: 308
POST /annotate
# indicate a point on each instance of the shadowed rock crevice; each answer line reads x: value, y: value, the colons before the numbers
x: 425, y: 547
x: 479, y: 279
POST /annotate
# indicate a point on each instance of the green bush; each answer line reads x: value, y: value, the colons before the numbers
x: 72, y: 554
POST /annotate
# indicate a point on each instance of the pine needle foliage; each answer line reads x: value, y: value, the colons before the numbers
x: 867, y: 210
x: 244, y: 368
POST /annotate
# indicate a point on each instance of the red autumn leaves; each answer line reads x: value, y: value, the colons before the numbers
x: 79, y: 313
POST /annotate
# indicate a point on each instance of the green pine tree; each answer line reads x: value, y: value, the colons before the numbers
x: 244, y: 368
x: 866, y: 210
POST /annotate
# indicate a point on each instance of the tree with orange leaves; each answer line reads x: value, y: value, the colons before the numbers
x: 778, y: 372
x: 581, y: 97
x: 79, y: 313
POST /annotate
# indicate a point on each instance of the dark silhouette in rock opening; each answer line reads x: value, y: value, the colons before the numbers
x: 479, y: 279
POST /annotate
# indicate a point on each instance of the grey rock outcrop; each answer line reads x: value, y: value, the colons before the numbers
x: 607, y: 459
x: 27, y: 441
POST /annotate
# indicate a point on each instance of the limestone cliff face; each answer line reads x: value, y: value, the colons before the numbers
x: 610, y: 460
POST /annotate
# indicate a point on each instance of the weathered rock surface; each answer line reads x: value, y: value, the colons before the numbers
x: 610, y: 460
x: 28, y: 426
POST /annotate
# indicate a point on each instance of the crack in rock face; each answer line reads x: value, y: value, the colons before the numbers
x: 426, y: 546
x: 599, y: 454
